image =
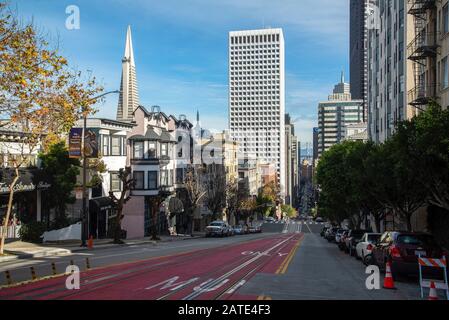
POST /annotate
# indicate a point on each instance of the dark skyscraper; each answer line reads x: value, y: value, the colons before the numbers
x: 358, y: 52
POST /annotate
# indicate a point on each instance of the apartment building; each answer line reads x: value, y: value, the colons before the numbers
x: 429, y: 52
x: 391, y: 88
x: 257, y: 96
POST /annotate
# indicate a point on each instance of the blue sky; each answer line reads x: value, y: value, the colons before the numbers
x: 180, y: 48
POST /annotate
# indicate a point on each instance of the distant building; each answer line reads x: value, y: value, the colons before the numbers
x: 316, y: 131
x: 257, y: 96
x: 358, y: 51
x: 335, y: 114
x: 250, y: 176
x: 129, y: 94
x: 356, y: 132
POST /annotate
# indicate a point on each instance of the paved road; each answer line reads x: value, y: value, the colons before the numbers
x: 287, y: 261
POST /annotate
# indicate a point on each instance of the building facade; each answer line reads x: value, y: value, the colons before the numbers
x: 257, y: 95
x: 335, y: 114
x: 390, y: 73
x: 358, y: 52
x: 112, y: 142
x: 429, y: 52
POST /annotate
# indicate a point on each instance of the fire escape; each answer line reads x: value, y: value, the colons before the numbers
x: 423, y: 51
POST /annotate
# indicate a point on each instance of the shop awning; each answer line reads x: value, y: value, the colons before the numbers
x: 104, y: 203
x: 29, y: 180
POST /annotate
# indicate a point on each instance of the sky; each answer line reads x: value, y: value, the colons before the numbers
x: 181, y: 53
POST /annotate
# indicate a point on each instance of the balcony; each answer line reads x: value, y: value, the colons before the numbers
x: 419, y: 7
x: 422, y: 94
x: 423, y: 46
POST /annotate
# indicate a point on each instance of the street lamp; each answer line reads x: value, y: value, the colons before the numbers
x: 84, y: 226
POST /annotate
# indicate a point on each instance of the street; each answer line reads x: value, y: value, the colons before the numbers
x: 288, y: 261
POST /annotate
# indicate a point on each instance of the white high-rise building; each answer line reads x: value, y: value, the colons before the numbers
x: 257, y: 95
x: 129, y: 95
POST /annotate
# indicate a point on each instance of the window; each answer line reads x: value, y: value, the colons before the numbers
x: 115, y: 182
x: 116, y: 147
x: 164, y: 178
x: 164, y: 149
x: 152, y: 180
x: 138, y: 177
x: 444, y: 73
x: 152, y: 150
x: 179, y: 175
x: 105, y: 145
x: 138, y: 150
x: 446, y: 18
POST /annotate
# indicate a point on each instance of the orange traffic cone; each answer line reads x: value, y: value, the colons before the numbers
x: 90, y: 242
x: 433, y: 292
x: 388, y: 281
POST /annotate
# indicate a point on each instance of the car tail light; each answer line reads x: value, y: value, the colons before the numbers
x: 394, y: 251
x: 369, y: 247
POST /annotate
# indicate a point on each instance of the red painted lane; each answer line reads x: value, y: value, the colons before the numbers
x: 145, y: 279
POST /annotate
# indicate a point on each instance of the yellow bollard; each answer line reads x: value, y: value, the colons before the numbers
x: 33, y: 273
x: 87, y: 264
x: 53, y: 268
x: 8, y: 277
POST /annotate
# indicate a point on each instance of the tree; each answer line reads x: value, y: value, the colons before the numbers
x: 216, y: 187
x: 39, y: 95
x: 62, y: 172
x: 267, y: 198
x: 432, y: 153
x: 402, y: 190
x: 289, y: 211
x: 195, y: 191
x: 127, y: 182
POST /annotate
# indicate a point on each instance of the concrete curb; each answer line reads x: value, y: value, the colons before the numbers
x: 14, y: 255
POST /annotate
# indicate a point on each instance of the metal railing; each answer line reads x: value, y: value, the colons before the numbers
x: 12, y: 232
x: 424, y: 45
x: 422, y: 94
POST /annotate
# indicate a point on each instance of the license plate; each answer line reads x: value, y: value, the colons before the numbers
x: 420, y: 253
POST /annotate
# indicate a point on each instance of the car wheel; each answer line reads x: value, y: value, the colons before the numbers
x: 368, y: 260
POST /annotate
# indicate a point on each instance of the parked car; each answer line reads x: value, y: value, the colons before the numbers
x: 338, y: 235
x: 319, y: 220
x: 323, y: 231
x: 365, y: 246
x: 270, y: 219
x: 231, y: 231
x: 239, y: 230
x: 402, y: 250
x: 217, y: 228
x: 330, y: 234
x: 342, y: 243
x: 255, y: 229
x: 352, y: 239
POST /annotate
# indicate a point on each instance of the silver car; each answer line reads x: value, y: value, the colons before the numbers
x: 218, y: 229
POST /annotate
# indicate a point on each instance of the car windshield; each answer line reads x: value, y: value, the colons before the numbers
x: 416, y: 240
x: 358, y: 234
x: 373, y: 238
x: 216, y: 224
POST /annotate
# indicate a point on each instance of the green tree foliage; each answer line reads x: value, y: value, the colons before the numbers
x: 61, y: 172
x: 401, y: 175
x: 289, y: 211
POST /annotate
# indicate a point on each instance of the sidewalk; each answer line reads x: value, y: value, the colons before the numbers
x: 23, y: 250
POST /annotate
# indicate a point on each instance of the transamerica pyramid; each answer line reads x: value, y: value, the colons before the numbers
x: 129, y: 94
